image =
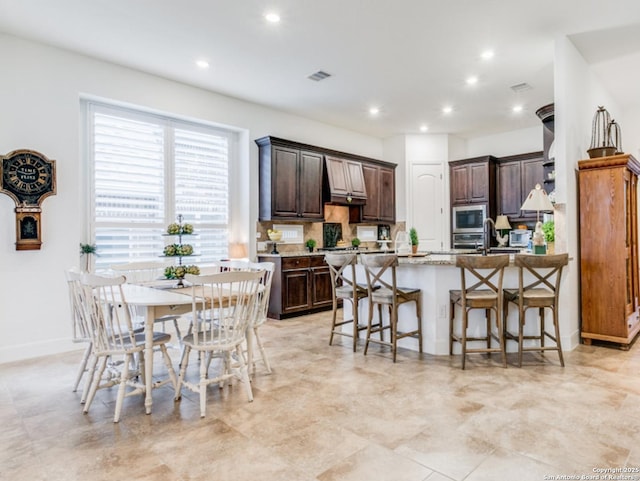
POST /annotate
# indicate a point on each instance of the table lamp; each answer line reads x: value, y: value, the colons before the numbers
x: 502, y: 224
x: 537, y: 200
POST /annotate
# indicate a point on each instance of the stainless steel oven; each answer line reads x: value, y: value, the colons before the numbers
x: 469, y: 240
x: 468, y: 218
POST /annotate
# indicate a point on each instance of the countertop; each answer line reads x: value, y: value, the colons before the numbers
x: 421, y: 258
x: 433, y: 258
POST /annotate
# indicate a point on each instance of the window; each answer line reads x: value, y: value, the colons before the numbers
x: 145, y: 170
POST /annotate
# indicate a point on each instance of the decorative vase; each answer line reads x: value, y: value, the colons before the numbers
x: 414, y: 248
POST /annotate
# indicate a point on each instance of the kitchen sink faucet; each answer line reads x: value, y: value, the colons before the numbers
x: 486, y: 235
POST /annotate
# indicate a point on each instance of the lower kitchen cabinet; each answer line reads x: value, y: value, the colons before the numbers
x: 301, y: 284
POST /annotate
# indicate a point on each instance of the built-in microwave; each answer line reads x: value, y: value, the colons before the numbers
x: 469, y: 218
x: 519, y: 238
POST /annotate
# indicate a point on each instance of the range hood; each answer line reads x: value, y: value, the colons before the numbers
x: 346, y: 181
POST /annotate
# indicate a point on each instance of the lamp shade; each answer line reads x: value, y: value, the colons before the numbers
x: 502, y: 223
x: 537, y: 200
x: 238, y: 250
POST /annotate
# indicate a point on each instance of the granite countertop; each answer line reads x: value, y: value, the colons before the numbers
x: 318, y: 253
x: 433, y: 258
x: 420, y: 259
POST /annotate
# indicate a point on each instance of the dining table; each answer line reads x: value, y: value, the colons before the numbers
x: 161, y: 298
x: 155, y: 300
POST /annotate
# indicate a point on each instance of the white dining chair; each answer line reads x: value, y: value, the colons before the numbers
x: 117, y: 347
x: 79, y: 329
x: 261, y: 314
x: 262, y: 307
x: 224, y: 303
x: 145, y: 273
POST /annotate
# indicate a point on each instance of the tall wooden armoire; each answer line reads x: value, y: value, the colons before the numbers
x: 609, y: 277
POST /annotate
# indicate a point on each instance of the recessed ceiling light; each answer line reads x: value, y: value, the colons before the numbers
x: 517, y: 108
x: 487, y: 54
x: 472, y: 80
x: 202, y: 64
x: 272, y: 17
x: 423, y: 128
x: 447, y: 109
x: 374, y: 111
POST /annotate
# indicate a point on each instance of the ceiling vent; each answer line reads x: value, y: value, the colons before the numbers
x: 521, y: 87
x: 319, y: 75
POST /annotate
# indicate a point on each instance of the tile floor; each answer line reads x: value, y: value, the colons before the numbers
x: 326, y: 413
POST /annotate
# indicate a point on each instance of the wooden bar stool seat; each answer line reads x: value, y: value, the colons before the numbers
x: 479, y: 290
x: 342, y: 267
x: 387, y: 293
x: 541, y: 292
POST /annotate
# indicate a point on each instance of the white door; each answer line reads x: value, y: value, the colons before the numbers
x: 426, y: 209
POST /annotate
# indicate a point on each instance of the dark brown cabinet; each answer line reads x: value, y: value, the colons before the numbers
x: 547, y: 115
x: 472, y: 180
x: 517, y: 175
x: 380, y: 182
x: 290, y: 181
x: 609, y: 277
x: 346, y: 179
x: 301, y: 284
x: 294, y: 183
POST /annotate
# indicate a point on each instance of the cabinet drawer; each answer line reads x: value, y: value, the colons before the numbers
x: 295, y: 263
x: 317, y: 261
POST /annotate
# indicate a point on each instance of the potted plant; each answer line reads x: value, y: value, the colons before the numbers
x: 355, y: 242
x: 87, y: 250
x: 548, y: 229
x: 413, y: 236
x: 311, y: 243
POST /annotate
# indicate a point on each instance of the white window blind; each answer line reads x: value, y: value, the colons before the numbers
x: 146, y: 170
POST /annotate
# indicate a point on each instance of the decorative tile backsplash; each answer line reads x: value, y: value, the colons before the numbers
x: 314, y: 230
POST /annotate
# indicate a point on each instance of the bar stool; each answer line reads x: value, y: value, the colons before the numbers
x: 389, y: 294
x: 479, y: 290
x: 346, y: 289
x: 541, y: 292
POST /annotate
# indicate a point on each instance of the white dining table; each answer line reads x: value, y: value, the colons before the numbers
x: 156, y: 302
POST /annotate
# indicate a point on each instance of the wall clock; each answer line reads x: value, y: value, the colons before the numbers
x: 28, y: 177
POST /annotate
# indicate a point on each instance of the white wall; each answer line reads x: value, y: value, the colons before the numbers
x: 40, y: 91
x: 631, y: 133
x: 515, y: 142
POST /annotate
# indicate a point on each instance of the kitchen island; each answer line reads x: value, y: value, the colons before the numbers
x: 435, y: 274
x: 305, y: 285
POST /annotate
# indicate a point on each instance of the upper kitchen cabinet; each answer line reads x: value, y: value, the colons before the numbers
x: 472, y: 180
x: 380, y: 182
x: 517, y: 175
x: 294, y: 183
x: 346, y: 180
x: 290, y: 181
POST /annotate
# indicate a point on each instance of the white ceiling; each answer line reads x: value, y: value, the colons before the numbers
x: 409, y: 57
